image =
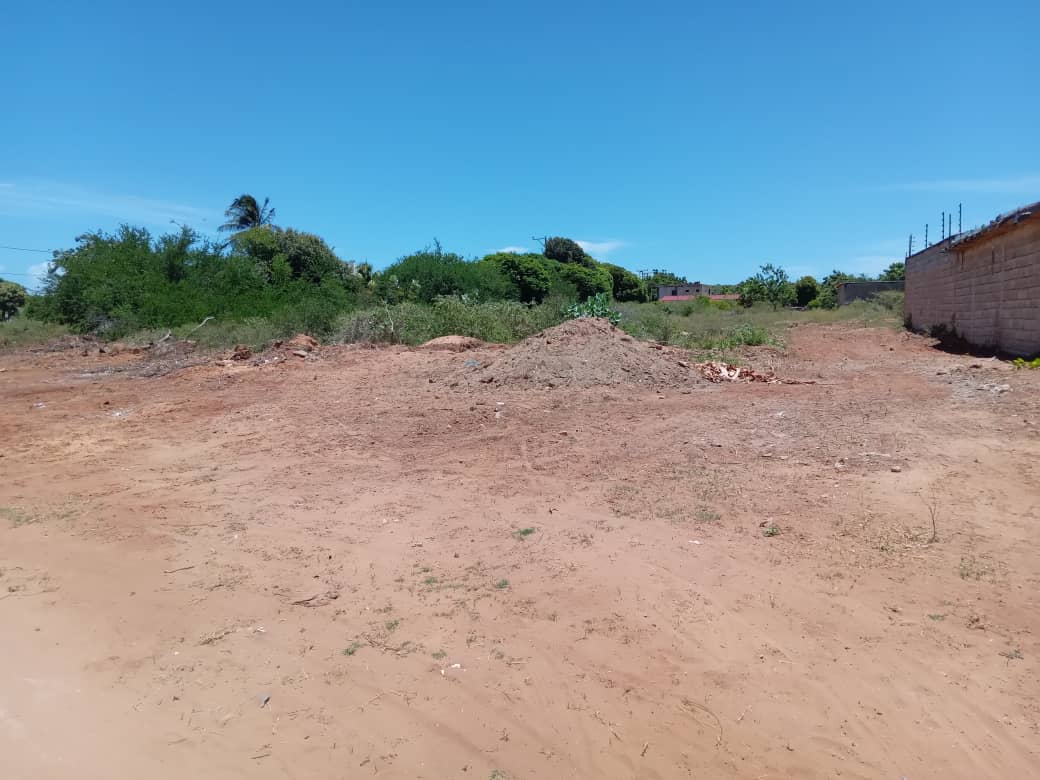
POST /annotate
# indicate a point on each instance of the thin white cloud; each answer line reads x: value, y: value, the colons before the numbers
x: 36, y: 197
x: 600, y: 247
x: 38, y: 270
x: 517, y: 249
x: 1029, y: 183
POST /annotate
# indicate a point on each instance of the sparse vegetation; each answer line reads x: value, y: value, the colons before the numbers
x: 502, y: 584
x: 771, y: 530
x: 972, y: 568
x: 1023, y: 363
x: 352, y: 648
x: 524, y: 533
x: 596, y: 306
x: 25, y: 332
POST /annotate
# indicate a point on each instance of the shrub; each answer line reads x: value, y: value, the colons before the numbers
x: 12, y: 298
x: 890, y: 300
x: 596, y: 306
x: 625, y: 285
x: 304, y: 255
x: 805, y: 290
x: 748, y: 335
x: 115, y: 284
x: 529, y: 274
x: 426, y: 275
x: 769, y: 284
x: 587, y: 281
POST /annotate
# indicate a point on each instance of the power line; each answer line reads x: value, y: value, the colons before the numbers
x: 23, y: 249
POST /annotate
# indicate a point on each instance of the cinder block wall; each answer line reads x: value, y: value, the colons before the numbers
x: 987, y: 291
x: 862, y: 291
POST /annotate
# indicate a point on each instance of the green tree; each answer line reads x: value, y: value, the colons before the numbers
x: 751, y: 291
x: 587, y: 281
x: 564, y: 250
x: 307, y: 255
x: 424, y: 276
x: 12, y: 298
x: 626, y: 286
x: 769, y: 284
x: 896, y: 272
x: 245, y: 213
x: 805, y: 290
x: 659, y: 277
x: 529, y: 274
x: 827, y: 298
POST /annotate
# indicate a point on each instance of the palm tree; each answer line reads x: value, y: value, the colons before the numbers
x: 244, y: 213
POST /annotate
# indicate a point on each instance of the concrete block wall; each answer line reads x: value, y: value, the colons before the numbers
x: 862, y: 291
x: 987, y: 291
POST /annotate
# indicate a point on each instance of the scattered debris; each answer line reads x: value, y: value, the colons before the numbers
x: 718, y: 372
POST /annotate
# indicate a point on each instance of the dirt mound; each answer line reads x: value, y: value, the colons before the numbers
x: 453, y: 343
x: 301, y: 341
x: 586, y: 353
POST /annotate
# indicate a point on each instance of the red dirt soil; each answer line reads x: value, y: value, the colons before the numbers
x: 343, y: 567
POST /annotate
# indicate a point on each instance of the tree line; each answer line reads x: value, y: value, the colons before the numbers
x: 772, y: 285
x: 129, y: 280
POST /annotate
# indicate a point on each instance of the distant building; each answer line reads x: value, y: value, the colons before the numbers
x: 672, y: 293
x: 861, y: 291
x: 681, y: 292
x: 982, y: 286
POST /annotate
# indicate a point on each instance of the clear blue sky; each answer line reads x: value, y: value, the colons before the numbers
x: 704, y: 140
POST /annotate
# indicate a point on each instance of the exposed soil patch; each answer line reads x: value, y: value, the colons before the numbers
x: 585, y: 353
x: 343, y: 568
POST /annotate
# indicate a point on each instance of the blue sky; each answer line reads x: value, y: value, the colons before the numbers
x: 706, y: 140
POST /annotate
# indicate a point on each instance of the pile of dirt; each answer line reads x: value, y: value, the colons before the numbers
x: 585, y: 353
x: 453, y: 344
x: 300, y: 345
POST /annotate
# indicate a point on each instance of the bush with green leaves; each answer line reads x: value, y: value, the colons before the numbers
x: 805, y: 290
x: 431, y: 273
x: 118, y: 283
x: 597, y: 306
x: 625, y: 285
x: 529, y: 273
x: 12, y: 298
x: 587, y: 281
x: 281, y: 255
x: 771, y: 285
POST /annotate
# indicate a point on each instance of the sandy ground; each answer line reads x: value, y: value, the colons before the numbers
x: 343, y: 566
